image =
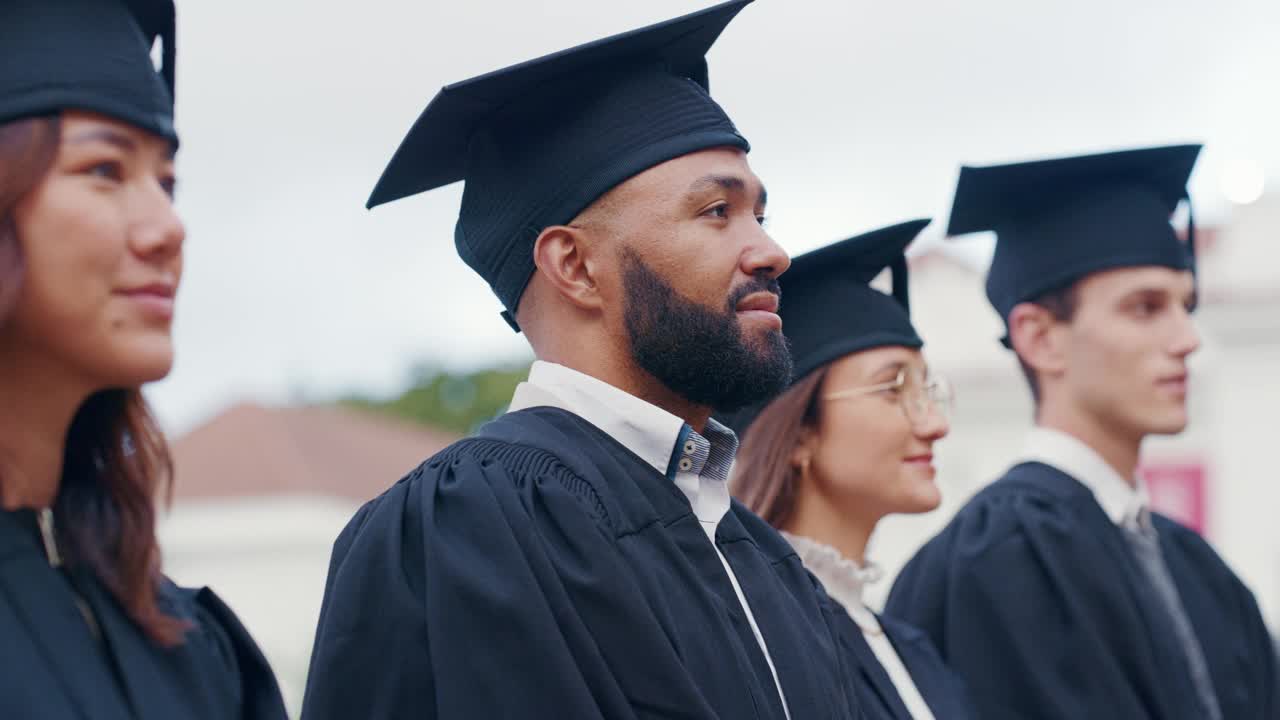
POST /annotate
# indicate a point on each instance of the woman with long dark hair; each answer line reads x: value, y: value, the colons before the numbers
x: 850, y: 442
x: 90, y: 260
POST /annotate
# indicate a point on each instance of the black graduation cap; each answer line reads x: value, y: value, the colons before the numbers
x: 1059, y: 220
x: 829, y: 309
x: 540, y: 141
x: 92, y: 55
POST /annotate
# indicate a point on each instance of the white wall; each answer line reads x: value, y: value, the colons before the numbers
x: 267, y: 558
x: 1240, y: 431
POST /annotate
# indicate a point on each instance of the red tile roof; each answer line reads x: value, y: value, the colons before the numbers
x: 251, y: 450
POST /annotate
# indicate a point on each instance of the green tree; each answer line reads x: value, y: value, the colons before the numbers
x: 460, y: 402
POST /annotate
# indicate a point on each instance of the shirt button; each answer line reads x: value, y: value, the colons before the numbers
x: 690, y: 447
x: 686, y: 464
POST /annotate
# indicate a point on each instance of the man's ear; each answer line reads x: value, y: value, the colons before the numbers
x: 1037, y: 338
x: 563, y: 257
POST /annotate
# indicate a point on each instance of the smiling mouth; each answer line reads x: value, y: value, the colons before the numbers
x: 156, y: 301
x: 154, y: 290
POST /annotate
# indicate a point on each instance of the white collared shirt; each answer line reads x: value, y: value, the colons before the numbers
x: 1126, y: 504
x: 699, y: 464
x: 845, y: 579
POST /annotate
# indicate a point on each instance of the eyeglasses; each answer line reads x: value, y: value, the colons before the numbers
x: 920, y: 395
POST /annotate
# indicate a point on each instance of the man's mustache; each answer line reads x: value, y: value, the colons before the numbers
x: 755, y: 285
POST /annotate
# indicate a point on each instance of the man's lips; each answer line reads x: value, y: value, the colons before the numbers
x: 760, y: 301
x: 761, y: 307
x: 1177, y: 383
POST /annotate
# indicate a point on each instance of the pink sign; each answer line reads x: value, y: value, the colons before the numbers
x: 1178, y: 489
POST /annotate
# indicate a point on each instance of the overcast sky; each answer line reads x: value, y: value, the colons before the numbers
x: 859, y: 114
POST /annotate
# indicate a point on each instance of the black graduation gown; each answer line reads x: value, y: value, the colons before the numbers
x: 542, y: 570
x: 53, y: 668
x: 1032, y: 595
x: 943, y: 691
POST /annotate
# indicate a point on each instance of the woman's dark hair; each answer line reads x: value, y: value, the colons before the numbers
x: 116, y: 462
x: 765, y: 480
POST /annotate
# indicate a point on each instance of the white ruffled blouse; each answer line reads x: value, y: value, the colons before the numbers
x: 845, y: 580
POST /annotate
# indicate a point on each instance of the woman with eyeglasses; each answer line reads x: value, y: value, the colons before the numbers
x: 90, y: 260
x: 850, y: 442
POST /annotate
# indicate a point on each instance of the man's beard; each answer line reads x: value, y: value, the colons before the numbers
x: 697, y: 351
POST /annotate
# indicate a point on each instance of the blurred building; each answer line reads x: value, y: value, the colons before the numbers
x: 261, y: 494
x: 1220, y: 476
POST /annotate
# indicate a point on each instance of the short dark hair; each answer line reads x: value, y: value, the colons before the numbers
x: 1061, y: 303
